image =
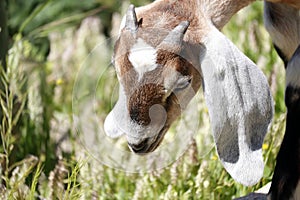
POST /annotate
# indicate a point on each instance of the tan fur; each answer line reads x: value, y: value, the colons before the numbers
x: 198, y: 12
x: 220, y: 12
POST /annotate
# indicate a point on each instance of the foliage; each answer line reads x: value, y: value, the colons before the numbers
x: 41, y: 156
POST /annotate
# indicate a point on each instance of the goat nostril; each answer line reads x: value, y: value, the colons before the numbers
x: 134, y: 114
x: 139, y: 116
x: 140, y: 146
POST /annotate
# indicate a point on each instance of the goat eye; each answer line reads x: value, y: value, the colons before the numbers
x: 183, y: 83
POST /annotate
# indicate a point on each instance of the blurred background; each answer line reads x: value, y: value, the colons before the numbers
x: 43, y: 44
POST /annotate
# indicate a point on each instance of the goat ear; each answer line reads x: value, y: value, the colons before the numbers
x: 112, y: 125
x: 173, y: 41
x: 240, y: 107
x: 131, y: 19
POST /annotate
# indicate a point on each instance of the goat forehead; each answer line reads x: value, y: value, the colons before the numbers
x: 142, y: 57
x: 147, y: 94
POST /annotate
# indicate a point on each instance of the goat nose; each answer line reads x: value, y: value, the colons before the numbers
x: 140, y: 147
x: 156, y: 114
x: 139, y: 116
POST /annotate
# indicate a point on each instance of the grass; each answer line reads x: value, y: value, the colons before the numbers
x: 43, y: 156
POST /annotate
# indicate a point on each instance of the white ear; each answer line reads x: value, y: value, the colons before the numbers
x: 240, y: 107
x: 112, y: 126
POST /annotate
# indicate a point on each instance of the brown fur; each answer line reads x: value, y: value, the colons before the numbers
x: 294, y: 3
x: 142, y: 99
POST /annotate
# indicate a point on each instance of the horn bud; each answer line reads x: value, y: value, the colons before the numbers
x: 131, y: 19
x: 173, y: 41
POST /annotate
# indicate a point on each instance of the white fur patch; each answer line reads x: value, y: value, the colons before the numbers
x: 110, y: 126
x: 115, y: 121
x: 143, y: 57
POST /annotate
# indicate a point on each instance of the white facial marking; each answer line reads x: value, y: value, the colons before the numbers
x: 143, y: 57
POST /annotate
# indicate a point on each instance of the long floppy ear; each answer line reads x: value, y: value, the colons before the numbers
x: 240, y: 107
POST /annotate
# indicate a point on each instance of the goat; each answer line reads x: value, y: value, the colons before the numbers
x: 161, y: 62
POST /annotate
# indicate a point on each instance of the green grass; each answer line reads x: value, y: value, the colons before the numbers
x: 41, y: 153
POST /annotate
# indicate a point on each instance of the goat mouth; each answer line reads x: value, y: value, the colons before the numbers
x: 151, y: 147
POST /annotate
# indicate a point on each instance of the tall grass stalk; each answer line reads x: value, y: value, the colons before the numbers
x: 35, y: 180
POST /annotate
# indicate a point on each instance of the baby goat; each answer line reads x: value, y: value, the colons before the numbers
x: 166, y: 50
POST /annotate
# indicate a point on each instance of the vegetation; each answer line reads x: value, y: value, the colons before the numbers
x: 46, y: 75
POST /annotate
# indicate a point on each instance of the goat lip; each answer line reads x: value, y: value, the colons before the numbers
x: 140, y: 151
x: 151, y: 147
